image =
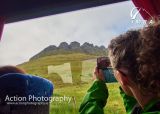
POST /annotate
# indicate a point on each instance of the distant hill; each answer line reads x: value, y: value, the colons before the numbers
x: 56, y: 63
x: 77, y: 63
x: 73, y: 47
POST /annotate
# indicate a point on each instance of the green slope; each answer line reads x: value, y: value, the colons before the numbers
x: 40, y: 66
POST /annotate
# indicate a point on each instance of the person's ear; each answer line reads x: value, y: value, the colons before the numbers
x: 122, y: 78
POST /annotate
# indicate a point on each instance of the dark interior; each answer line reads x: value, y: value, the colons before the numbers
x: 17, y: 10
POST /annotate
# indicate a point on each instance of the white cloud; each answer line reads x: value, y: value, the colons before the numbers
x: 98, y: 25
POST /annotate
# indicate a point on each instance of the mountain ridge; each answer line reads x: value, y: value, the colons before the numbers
x: 73, y: 47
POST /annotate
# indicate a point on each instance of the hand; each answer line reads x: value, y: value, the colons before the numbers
x: 98, y: 74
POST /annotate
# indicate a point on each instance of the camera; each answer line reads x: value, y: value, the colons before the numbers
x: 103, y: 63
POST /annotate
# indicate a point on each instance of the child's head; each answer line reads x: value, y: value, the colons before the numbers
x: 135, y: 55
x: 10, y: 69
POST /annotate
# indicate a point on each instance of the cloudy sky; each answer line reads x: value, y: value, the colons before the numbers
x: 22, y: 40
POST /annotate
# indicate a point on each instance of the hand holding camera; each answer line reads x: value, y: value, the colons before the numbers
x: 103, y: 70
x: 98, y: 74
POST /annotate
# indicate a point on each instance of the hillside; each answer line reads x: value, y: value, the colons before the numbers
x: 75, y: 61
x: 73, y: 47
x: 67, y: 63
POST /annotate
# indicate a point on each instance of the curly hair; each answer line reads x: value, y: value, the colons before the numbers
x: 10, y: 69
x: 139, y: 52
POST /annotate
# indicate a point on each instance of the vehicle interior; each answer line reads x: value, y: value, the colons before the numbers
x: 61, y: 40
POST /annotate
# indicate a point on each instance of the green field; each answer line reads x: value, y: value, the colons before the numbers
x: 114, y: 103
x: 71, y: 75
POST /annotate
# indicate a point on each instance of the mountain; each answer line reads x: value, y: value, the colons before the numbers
x: 73, y: 47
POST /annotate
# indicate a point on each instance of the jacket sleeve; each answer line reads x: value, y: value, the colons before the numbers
x: 95, y: 99
x: 129, y: 102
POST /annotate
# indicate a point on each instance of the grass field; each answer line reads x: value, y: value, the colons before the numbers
x: 114, y: 103
x: 71, y: 75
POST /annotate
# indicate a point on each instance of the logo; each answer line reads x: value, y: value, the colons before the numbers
x: 135, y: 15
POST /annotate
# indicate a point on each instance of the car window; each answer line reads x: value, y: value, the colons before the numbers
x: 63, y: 48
